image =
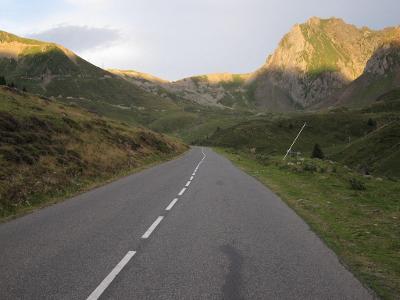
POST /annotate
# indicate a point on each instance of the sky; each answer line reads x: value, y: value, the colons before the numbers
x: 174, y: 39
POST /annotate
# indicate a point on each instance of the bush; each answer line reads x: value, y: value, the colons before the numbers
x: 2, y: 80
x: 262, y: 158
x: 310, y: 167
x: 357, y: 185
x: 371, y: 123
x: 317, y: 152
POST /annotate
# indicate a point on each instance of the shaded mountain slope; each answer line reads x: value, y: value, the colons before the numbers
x: 381, y: 75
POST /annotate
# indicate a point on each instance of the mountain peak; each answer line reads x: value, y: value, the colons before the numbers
x: 15, y: 47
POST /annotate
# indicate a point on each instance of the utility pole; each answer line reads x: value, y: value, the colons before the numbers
x: 294, y: 141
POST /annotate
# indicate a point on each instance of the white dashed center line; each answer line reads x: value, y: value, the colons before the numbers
x: 172, y: 204
x: 152, y: 227
x: 110, y: 277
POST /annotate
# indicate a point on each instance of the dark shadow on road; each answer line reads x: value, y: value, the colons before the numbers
x: 233, y: 279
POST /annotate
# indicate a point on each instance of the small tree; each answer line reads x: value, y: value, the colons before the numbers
x: 2, y: 80
x: 24, y: 89
x: 317, y: 152
x: 371, y: 122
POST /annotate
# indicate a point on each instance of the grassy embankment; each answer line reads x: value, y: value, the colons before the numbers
x: 361, y: 226
x: 49, y: 151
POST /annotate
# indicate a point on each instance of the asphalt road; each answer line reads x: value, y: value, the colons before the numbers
x: 226, y: 237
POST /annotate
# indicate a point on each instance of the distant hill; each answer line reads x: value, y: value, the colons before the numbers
x: 222, y: 90
x: 52, y: 70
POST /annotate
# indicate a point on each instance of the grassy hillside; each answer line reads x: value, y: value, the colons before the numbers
x: 377, y: 152
x: 367, y: 140
x: 49, y: 150
x: 51, y: 70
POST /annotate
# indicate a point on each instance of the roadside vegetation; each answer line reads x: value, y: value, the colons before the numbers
x: 357, y: 216
x: 50, y: 150
x: 342, y: 178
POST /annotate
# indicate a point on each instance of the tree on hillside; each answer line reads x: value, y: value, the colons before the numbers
x: 317, y: 152
x: 371, y: 122
x: 2, y: 80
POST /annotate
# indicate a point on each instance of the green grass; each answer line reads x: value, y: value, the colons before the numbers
x: 326, y: 53
x: 362, y: 227
x: 344, y: 135
x: 378, y: 152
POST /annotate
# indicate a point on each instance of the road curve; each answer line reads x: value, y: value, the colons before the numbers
x: 193, y: 228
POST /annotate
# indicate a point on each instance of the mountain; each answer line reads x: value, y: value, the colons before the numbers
x: 381, y: 75
x: 312, y: 66
x: 318, y: 64
x: 223, y: 90
x: 52, y: 70
x: 316, y: 59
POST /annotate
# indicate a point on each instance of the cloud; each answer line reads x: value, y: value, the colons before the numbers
x: 79, y: 38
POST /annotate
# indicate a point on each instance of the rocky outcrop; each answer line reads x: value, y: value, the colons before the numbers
x: 317, y: 59
x: 381, y: 75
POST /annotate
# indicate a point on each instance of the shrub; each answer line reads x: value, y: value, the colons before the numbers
x: 2, y: 80
x: 262, y: 158
x: 310, y: 167
x: 317, y: 152
x: 357, y: 185
x: 371, y: 123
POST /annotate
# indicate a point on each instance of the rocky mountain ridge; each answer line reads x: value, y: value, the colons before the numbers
x: 318, y: 64
x: 314, y: 62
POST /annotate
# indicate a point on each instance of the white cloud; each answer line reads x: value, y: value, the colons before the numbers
x: 79, y: 38
x: 119, y: 55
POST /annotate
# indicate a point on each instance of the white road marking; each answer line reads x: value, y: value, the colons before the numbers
x: 152, y: 227
x: 171, y: 204
x: 110, y: 277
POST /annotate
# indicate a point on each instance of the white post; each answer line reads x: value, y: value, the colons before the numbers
x: 294, y: 141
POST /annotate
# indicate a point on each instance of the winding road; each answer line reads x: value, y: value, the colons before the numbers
x: 196, y: 227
